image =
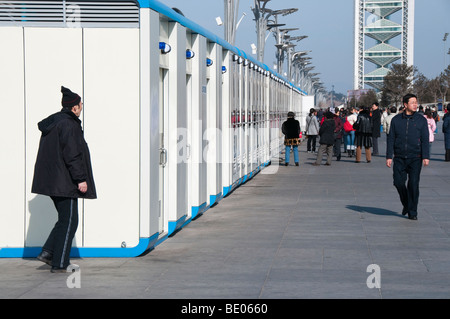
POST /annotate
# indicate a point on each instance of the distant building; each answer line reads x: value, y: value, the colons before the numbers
x: 356, y: 94
x: 375, y: 19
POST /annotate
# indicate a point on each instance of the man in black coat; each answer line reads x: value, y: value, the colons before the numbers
x: 376, y: 121
x: 63, y: 171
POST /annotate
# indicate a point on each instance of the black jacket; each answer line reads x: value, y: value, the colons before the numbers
x: 376, y: 123
x: 291, y: 128
x: 326, y: 132
x: 408, y: 137
x: 63, y: 160
x: 364, y: 124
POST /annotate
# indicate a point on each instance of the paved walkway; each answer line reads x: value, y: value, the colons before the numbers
x: 305, y: 232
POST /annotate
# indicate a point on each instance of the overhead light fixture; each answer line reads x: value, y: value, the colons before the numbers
x: 209, y: 62
x: 164, y: 47
x: 189, y: 54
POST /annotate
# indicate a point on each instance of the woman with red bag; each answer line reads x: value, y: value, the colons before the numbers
x: 350, y: 131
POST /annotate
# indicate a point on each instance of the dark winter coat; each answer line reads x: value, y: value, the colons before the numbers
x: 364, y: 124
x: 291, y: 131
x: 339, y: 130
x: 63, y: 160
x: 376, y: 122
x: 364, y: 130
x: 408, y: 137
x: 446, y: 130
x: 326, y: 132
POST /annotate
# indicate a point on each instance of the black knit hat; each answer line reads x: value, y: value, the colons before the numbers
x: 69, y: 98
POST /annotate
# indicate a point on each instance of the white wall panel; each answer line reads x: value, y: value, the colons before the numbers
x: 177, y: 123
x: 12, y: 141
x: 53, y: 57
x: 111, y: 102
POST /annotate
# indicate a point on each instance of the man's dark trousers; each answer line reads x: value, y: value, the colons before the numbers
x: 375, y: 146
x: 59, y: 242
x: 408, y: 169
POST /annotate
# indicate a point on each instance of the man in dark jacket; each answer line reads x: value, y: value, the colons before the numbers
x: 326, y: 142
x: 446, y: 131
x: 63, y: 171
x: 376, y: 129
x: 408, y: 149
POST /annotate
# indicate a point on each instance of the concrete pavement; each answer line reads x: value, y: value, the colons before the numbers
x: 304, y: 232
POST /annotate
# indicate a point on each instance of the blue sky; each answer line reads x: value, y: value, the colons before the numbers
x: 329, y: 25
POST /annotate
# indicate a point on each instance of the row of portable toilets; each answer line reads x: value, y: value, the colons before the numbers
x: 174, y: 116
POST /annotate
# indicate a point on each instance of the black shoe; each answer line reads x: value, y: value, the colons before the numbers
x: 45, y: 257
x: 405, y: 212
x: 286, y: 164
x: 297, y: 164
x: 412, y: 217
x: 368, y: 161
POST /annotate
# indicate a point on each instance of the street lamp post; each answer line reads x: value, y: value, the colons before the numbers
x: 262, y: 15
x: 231, y: 9
x: 445, y: 49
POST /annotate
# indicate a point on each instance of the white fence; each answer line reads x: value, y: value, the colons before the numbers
x: 175, y: 118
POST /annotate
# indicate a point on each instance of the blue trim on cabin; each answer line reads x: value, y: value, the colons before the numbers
x: 144, y: 245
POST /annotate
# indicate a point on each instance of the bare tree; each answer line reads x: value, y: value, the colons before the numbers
x: 398, y: 82
x: 446, y: 79
x: 422, y: 89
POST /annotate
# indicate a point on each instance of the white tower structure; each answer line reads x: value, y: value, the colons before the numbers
x: 378, y: 20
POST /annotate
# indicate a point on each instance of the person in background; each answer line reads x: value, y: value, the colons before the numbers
x: 421, y: 111
x: 364, y: 131
x: 446, y: 131
x: 338, y: 133
x: 326, y: 142
x: 388, y: 119
x: 291, y: 131
x: 351, y: 119
x: 376, y: 126
x: 431, y: 126
x: 312, y: 130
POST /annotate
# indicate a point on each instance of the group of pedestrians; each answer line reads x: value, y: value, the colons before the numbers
x: 357, y: 128
x: 410, y: 135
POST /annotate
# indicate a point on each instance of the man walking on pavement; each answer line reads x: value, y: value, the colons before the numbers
x: 63, y: 171
x: 408, y: 149
x: 376, y: 121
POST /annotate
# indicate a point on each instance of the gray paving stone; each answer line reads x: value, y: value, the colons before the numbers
x: 305, y: 232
